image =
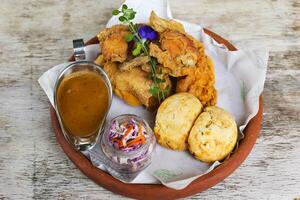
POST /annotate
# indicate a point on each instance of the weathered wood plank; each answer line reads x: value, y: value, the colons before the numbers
x: 35, y: 35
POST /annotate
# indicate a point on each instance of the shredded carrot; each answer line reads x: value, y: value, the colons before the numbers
x: 134, y: 141
x: 140, y: 129
x: 117, y: 141
x: 143, y: 139
x: 138, y: 140
x: 126, y: 134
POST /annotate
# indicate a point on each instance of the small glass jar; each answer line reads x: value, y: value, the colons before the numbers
x: 125, y: 160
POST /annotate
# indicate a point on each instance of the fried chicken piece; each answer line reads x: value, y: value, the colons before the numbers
x: 178, y: 52
x: 112, y: 43
x: 200, y: 82
x: 160, y: 24
x: 183, y: 55
x: 133, y: 86
x: 140, y: 61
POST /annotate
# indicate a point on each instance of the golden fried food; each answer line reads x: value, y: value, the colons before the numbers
x: 175, y: 117
x: 182, y: 55
x: 135, y: 62
x: 133, y: 86
x: 213, y: 135
x: 112, y: 43
x: 160, y: 24
x: 200, y: 82
x: 120, y: 89
x: 178, y: 55
x: 177, y: 52
x: 100, y: 60
x: 178, y: 45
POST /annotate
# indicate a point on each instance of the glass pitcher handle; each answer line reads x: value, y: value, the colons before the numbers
x: 78, y: 47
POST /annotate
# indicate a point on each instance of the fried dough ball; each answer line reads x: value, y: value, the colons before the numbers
x: 174, y: 120
x: 213, y: 135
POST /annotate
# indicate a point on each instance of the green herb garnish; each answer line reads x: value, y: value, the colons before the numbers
x: 141, y: 47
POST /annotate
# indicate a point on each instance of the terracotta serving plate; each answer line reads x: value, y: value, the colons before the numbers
x: 152, y: 191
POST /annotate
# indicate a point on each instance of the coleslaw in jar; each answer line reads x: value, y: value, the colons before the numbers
x: 128, y: 143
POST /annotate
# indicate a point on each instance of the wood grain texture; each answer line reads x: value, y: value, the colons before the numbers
x: 37, y: 34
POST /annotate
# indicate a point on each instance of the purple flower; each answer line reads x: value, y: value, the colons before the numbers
x: 148, y: 33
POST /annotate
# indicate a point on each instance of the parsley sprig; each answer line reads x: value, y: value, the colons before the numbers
x: 126, y: 17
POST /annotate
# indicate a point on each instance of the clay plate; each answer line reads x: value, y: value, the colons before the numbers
x: 149, y: 191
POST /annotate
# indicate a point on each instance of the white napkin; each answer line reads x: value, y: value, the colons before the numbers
x: 240, y: 77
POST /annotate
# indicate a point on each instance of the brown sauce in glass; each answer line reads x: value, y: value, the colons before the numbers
x: 82, y: 99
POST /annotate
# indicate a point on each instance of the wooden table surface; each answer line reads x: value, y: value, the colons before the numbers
x: 37, y: 34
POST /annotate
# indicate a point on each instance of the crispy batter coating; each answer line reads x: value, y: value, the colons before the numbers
x: 112, y: 43
x: 183, y: 55
x: 136, y: 62
x: 132, y: 86
x: 177, y: 52
x: 200, y: 82
x: 160, y: 24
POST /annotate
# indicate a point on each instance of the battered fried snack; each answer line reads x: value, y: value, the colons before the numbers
x: 213, y: 135
x: 132, y: 86
x: 200, y: 82
x: 174, y: 119
x: 184, y: 57
x: 136, y: 62
x: 160, y: 24
x: 112, y: 43
x: 177, y: 52
x: 178, y: 55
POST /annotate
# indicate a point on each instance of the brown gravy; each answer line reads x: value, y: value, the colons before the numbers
x: 82, y: 99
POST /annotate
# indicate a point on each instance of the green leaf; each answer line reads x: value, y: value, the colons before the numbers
x: 122, y: 18
x: 131, y: 16
x: 129, y: 13
x: 115, y: 12
x: 137, y: 50
x: 158, y: 80
x: 129, y: 37
x: 124, y: 7
x: 154, y: 90
x: 153, y: 59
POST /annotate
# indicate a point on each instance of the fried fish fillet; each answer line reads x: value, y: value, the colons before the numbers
x: 113, y: 46
x: 133, y: 86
